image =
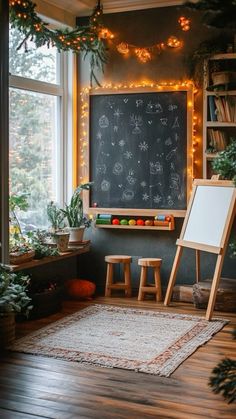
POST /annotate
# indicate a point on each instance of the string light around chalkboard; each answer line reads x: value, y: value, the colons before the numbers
x: 84, y: 117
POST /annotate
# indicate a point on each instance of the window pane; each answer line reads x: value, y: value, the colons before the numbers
x: 34, y: 152
x: 37, y: 63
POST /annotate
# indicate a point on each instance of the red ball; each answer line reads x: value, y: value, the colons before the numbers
x: 116, y: 221
x: 80, y: 288
x: 140, y: 222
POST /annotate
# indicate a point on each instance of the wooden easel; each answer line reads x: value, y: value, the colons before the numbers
x: 189, y: 237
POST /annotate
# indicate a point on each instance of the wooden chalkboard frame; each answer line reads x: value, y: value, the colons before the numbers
x: 189, y: 119
x: 219, y: 249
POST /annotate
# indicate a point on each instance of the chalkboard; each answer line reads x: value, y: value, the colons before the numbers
x: 138, y: 150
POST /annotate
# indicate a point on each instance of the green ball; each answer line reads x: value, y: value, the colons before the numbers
x: 124, y: 222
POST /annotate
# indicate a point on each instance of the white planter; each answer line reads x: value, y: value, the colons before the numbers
x: 76, y: 234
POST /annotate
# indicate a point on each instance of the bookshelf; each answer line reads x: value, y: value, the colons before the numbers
x: 219, y: 107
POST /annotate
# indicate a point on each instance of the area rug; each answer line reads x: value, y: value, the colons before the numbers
x: 141, y: 340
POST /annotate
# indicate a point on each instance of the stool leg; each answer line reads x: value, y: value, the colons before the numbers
x: 157, y: 277
x: 109, y: 279
x: 143, y: 281
x: 127, y: 276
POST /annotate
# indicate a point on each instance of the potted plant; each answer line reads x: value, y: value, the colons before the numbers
x: 20, y: 250
x: 13, y: 299
x: 74, y: 214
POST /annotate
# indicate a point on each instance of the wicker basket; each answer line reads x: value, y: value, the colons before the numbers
x: 17, y: 258
x: 223, y: 77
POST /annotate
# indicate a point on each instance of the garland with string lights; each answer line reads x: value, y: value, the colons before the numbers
x: 84, y: 39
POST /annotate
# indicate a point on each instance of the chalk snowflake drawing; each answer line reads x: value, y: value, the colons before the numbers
x: 128, y: 155
x: 171, y: 154
x: 105, y: 185
x: 115, y: 128
x: 170, y: 201
x: 99, y: 135
x: 145, y: 197
x: 101, y: 169
x: 156, y: 168
x: 172, y: 107
x: 176, y: 123
x: 122, y: 143
x: 136, y: 122
x: 164, y: 121
x: 154, y: 108
x: 117, y: 169
x: 118, y: 113
x: 174, y: 181
x: 127, y: 195
x: 139, y: 102
x: 103, y: 122
x: 157, y: 199
x: 143, y: 146
x: 143, y: 184
x: 168, y: 141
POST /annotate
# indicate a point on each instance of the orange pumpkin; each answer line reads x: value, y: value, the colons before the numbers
x: 80, y: 288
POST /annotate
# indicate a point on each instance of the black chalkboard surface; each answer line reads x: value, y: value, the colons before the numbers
x: 138, y: 150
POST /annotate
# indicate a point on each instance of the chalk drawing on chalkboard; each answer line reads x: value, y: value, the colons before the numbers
x: 136, y: 121
x: 176, y: 137
x: 145, y: 197
x: 117, y: 169
x: 168, y: 141
x: 139, y: 102
x: 101, y: 169
x: 143, y: 146
x: 118, y: 113
x: 150, y: 122
x: 158, y: 140
x: 164, y: 121
x: 143, y: 184
x: 172, y: 166
x: 170, y: 201
x: 157, y: 199
x: 172, y: 107
x: 176, y: 122
x: 105, y: 154
x: 127, y: 195
x: 105, y: 185
x: 128, y: 155
x: 126, y: 100
x: 155, y: 168
x: 103, y: 122
x: 115, y: 128
x: 130, y: 178
x: 171, y: 154
x: 154, y: 108
x: 174, y: 181
x: 99, y: 135
x: 122, y: 143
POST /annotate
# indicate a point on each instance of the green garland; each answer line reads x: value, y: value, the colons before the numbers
x: 84, y: 39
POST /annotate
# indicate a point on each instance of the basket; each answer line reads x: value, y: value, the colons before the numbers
x: 7, y: 329
x: 223, y: 77
x: 17, y: 258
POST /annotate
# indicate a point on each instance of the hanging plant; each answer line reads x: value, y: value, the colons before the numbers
x: 82, y: 39
x: 216, y: 13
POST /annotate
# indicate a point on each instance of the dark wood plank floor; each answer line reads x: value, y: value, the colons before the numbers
x: 40, y: 387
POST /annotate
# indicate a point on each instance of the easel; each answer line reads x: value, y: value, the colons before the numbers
x: 189, y: 238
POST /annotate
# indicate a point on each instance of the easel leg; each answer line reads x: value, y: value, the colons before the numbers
x: 214, y: 286
x: 173, y: 275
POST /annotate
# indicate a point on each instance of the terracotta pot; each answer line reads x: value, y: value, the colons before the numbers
x: 62, y: 240
x: 17, y: 258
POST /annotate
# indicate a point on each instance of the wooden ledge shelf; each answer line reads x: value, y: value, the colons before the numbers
x: 73, y: 251
x: 135, y: 227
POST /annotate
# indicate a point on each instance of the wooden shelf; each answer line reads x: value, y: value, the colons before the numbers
x: 73, y: 251
x: 220, y: 92
x: 128, y: 227
x: 226, y: 56
x: 216, y: 124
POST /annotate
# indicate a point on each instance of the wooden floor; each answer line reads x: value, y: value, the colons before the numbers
x: 40, y: 387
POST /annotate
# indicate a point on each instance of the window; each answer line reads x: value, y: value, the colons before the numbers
x: 37, y: 97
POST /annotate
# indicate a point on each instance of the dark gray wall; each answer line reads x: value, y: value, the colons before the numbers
x: 146, y: 28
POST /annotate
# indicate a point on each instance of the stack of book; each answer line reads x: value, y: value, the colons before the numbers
x: 103, y: 219
x: 217, y: 139
x: 222, y: 108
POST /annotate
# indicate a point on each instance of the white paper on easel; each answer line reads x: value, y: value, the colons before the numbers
x: 208, y: 215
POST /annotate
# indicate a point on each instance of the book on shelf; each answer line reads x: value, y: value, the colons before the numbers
x: 222, y: 108
x: 217, y: 139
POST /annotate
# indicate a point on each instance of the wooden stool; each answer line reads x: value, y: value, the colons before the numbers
x: 150, y: 288
x: 110, y: 285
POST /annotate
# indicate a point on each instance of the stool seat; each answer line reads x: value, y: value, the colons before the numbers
x: 114, y: 285
x: 150, y: 262
x: 144, y: 287
x: 118, y: 259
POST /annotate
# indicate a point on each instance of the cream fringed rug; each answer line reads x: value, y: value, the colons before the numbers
x: 142, y: 340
